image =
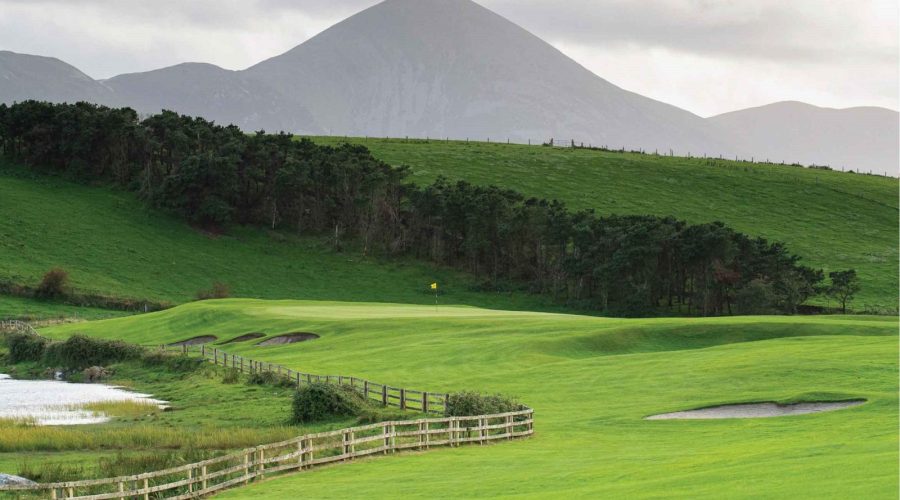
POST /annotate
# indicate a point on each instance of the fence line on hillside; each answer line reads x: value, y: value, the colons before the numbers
x: 17, y: 326
x: 405, y: 399
x: 302, y: 452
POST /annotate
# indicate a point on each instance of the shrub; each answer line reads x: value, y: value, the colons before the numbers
x: 318, y: 401
x: 231, y: 376
x: 172, y: 362
x: 466, y: 404
x: 53, y: 285
x: 269, y: 378
x: 218, y: 291
x: 80, y: 351
x: 25, y: 347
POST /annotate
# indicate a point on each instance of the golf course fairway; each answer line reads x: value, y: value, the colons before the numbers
x: 591, y: 382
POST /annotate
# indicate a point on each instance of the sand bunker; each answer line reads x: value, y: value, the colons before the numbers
x: 289, y: 338
x: 206, y: 339
x: 757, y: 410
x: 245, y: 337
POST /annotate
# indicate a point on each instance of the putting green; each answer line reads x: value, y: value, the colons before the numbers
x: 591, y: 381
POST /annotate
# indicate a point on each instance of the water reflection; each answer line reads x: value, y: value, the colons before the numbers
x: 49, y: 402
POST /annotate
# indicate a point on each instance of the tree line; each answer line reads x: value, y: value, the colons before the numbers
x: 213, y: 176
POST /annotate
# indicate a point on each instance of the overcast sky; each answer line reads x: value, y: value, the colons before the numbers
x: 707, y: 56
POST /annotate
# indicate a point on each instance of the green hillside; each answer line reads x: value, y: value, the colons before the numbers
x: 591, y: 382
x: 834, y: 220
x: 110, y: 242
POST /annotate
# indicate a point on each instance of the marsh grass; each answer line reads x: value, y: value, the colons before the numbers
x: 128, y: 409
x: 23, y: 438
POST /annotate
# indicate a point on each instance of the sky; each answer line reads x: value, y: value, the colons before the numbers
x: 706, y: 56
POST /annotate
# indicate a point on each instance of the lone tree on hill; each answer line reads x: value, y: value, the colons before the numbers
x: 844, y: 285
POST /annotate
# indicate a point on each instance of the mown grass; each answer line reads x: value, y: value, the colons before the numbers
x: 591, y: 382
x: 834, y: 220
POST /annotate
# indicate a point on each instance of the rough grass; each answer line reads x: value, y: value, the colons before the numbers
x: 832, y: 219
x: 591, y: 382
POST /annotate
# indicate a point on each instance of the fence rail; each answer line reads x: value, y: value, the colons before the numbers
x: 202, y: 478
x: 300, y: 453
x: 405, y: 399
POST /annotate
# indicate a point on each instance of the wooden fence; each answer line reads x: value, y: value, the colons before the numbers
x: 254, y: 464
x: 405, y: 399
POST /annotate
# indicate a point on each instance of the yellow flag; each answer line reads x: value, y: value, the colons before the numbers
x: 434, y: 286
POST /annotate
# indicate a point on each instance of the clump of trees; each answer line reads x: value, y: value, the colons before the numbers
x: 213, y: 176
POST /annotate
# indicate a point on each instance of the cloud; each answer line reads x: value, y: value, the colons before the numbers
x: 707, y: 56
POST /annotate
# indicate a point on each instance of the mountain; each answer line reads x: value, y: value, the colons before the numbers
x: 24, y: 76
x: 451, y: 68
x: 443, y: 68
x: 863, y: 138
x: 215, y: 93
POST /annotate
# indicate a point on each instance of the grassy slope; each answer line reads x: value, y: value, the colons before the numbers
x: 591, y: 381
x: 832, y: 219
x: 108, y: 241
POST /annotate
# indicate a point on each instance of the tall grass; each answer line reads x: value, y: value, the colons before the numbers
x: 128, y: 408
x: 16, y: 437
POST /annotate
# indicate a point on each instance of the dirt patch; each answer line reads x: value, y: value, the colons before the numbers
x: 289, y: 338
x: 205, y: 339
x: 757, y: 410
x: 245, y: 337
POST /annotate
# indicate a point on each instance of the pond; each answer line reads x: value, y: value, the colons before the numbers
x: 50, y: 402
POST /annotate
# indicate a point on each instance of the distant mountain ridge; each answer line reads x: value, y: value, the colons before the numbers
x: 860, y: 138
x: 451, y: 68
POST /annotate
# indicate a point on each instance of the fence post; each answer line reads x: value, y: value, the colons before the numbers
x: 261, y: 467
x: 190, y: 480
x: 121, y: 490
x: 424, y: 402
x: 454, y: 432
x: 482, y: 423
x: 146, y: 486
x: 246, y: 468
x: 203, y: 477
x: 215, y: 356
x: 402, y: 399
x: 366, y: 389
x: 384, y: 398
x: 509, y: 426
x: 203, y: 350
x: 300, y: 452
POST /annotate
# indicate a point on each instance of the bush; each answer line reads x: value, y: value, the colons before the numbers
x: 467, y: 404
x: 25, y: 347
x: 218, y: 291
x: 80, y: 352
x: 53, y: 285
x: 172, y: 362
x: 231, y: 376
x: 269, y: 378
x: 318, y: 401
